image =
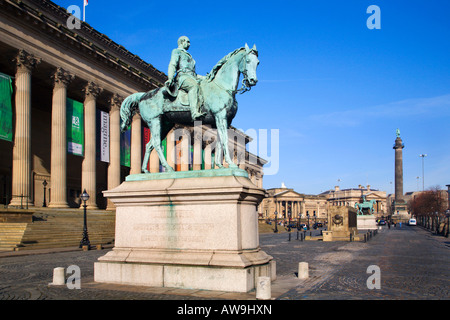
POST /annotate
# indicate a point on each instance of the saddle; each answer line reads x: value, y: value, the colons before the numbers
x: 178, y: 99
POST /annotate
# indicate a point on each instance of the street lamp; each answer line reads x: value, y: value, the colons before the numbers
x: 289, y: 225
x: 85, y: 240
x: 423, y: 171
x: 448, y: 211
x: 307, y: 214
x: 276, y: 222
x: 45, y: 185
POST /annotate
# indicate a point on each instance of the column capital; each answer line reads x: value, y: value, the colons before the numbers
x: 116, y: 101
x: 25, y: 61
x: 62, y: 77
x: 92, y: 90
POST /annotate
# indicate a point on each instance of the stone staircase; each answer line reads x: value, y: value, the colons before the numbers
x: 58, y: 229
x: 11, y: 235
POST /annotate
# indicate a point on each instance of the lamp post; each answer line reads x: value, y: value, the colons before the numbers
x: 423, y: 170
x: 289, y: 223
x: 276, y: 222
x: 448, y: 211
x: 85, y: 240
x: 307, y: 214
x: 44, y: 205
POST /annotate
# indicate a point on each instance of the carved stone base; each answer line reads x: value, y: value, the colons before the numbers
x: 367, y: 222
x: 199, y: 231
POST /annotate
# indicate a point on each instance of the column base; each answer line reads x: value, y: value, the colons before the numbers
x: 20, y: 203
x: 60, y: 205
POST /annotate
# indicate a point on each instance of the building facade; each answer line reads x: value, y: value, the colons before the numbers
x: 63, y: 80
x: 285, y: 202
x: 352, y: 196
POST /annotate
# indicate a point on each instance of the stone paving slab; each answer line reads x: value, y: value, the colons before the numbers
x: 414, y: 265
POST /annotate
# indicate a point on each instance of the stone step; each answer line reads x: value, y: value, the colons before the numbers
x: 58, y: 228
x: 10, y: 235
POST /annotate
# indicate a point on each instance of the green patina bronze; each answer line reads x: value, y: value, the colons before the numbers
x: 366, y: 207
x: 187, y: 97
x: 224, y: 172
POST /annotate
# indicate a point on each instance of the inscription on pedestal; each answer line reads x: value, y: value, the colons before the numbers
x: 169, y: 228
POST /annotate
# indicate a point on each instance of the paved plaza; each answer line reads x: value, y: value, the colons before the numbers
x: 413, y: 264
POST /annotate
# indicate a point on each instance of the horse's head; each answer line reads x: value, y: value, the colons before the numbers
x: 248, y: 66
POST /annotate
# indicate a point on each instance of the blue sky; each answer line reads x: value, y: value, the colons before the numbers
x: 334, y: 89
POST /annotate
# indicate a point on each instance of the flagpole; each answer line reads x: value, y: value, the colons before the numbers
x: 84, y: 11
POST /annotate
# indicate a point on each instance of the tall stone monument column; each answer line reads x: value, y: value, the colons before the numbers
x: 88, y: 174
x: 399, y: 207
x: 398, y: 147
x: 59, y: 140
x: 21, y: 169
x: 114, y: 153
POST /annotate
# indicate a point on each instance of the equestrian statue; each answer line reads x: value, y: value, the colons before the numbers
x: 188, y: 97
x: 366, y: 207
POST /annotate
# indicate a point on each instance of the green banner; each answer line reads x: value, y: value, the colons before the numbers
x: 164, y: 150
x: 75, y: 127
x: 125, y: 148
x: 6, y: 126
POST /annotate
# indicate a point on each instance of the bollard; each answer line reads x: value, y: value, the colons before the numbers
x: 289, y: 236
x: 263, y: 289
x: 303, y: 270
x: 59, y: 277
x: 297, y: 235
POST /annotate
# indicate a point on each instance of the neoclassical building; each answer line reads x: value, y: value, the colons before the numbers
x: 288, y: 203
x: 63, y: 123
x: 351, y: 196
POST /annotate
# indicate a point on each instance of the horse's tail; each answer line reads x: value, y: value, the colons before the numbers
x: 130, y: 106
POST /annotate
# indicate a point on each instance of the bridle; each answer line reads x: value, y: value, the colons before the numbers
x: 245, y: 83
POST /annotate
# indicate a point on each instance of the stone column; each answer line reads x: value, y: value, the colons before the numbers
x: 208, y: 154
x: 59, y: 140
x: 171, y: 149
x: 88, y: 173
x: 185, y: 150
x: 154, y: 162
x: 198, y: 142
x: 398, y: 147
x: 114, y: 147
x: 21, y: 166
x: 136, y: 145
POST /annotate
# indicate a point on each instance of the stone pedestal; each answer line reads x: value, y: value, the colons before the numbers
x: 366, y: 222
x: 196, y: 230
x: 342, y: 223
x: 400, y: 211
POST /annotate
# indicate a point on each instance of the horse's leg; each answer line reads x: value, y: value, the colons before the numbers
x: 157, y: 133
x: 148, y: 150
x: 218, y: 159
x: 222, y: 129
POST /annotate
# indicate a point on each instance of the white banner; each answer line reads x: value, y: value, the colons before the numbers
x: 104, y: 136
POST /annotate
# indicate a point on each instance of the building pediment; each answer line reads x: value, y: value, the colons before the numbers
x: 287, y: 194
